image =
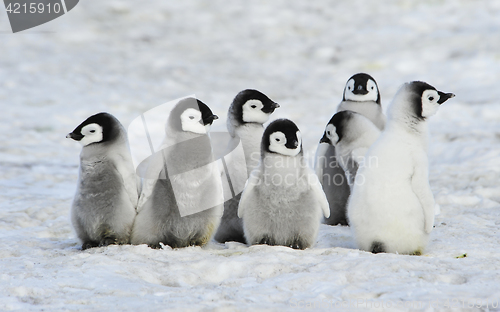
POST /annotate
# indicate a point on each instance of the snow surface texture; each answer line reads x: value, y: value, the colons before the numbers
x: 126, y: 57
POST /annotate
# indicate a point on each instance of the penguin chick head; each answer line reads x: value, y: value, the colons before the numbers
x: 417, y: 100
x: 282, y: 137
x: 346, y: 126
x: 98, y: 128
x: 360, y: 88
x: 335, y: 129
x: 191, y: 115
x: 252, y: 106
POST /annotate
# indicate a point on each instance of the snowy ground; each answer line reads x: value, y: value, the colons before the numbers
x: 126, y: 57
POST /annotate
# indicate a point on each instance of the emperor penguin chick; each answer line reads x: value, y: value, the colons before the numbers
x: 181, y: 200
x: 361, y: 95
x: 393, y: 210
x: 351, y: 134
x: 282, y: 203
x: 248, y: 112
x: 105, y: 202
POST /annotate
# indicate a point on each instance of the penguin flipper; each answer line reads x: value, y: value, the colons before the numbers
x: 121, y: 163
x: 154, y: 171
x: 130, y: 184
x: 422, y: 189
x: 252, y: 181
x: 320, y: 159
x: 319, y: 194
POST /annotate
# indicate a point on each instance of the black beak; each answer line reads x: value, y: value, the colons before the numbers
x: 360, y: 90
x: 269, y: 108
x: 209, y: 120
x: 292, y: 144
x: 74, y: 136
x: 325, y: 139
x: 443, y: 97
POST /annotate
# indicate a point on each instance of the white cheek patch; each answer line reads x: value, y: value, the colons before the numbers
x: 299, y: 139
x: 254, y: 114
x: 279, y: 146
x: 349, y: 87
x: 371, y: 86
x: 331, y: 134
x: 430, y: 103
x: 190, y: 121
x: 92, y: 133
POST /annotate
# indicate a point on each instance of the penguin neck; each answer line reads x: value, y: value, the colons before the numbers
x: 410, y: 127
x: 250, y: 135
x: 96, y: 152
x: 250, y: 132
x: 186, y: 155
x: 173, y: 136
x: 289, y: 168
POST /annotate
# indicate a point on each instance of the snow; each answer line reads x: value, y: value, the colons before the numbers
x: 127, y: 57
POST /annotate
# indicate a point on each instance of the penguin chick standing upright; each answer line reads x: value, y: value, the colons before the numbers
x: 282, y: 203
x: 393, y: 210
x: 351, y: 134
x: 361, y: 95
x: 105, y: 202
x: 181, y: 200
x: 247, y: 114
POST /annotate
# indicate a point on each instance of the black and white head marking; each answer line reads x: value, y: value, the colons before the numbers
x: 99, y: 128
x: 253, y: 106
x: 425, y: 99
x: 360, y: 88
x: 283, y: 137
x: 335, y: 129
x: 191, y: 115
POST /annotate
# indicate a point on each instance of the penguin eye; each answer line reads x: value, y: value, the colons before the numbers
x: 431, y: 98
x: 277, y: 140
x: 329, y: 132
x: 92, y: 131
x: 191, y: 117
x: 348, y: 88
x: 373, y: 88
x: 253, y: 106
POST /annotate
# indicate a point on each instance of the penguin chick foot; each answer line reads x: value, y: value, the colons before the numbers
x: 377, y: 247
x: 155, y: 246
x: 106, y: 241
x: 87, y: 245
x: 416, y: 253
x: 199, y: 241
x: 298, y: 244
x: 266, y: 240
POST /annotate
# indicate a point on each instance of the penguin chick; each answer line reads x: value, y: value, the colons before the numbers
x: 393, y: 210
x: 248, y: 112
x: 104, y: 206
x: 181, y: 201
x: 282, y: 203
x: 361, y: 95
x: 351, y: 134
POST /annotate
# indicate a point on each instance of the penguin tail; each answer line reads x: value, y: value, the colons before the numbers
x: 377, y: 247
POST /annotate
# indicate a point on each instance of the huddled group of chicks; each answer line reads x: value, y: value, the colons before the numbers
x: 369, y: 174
